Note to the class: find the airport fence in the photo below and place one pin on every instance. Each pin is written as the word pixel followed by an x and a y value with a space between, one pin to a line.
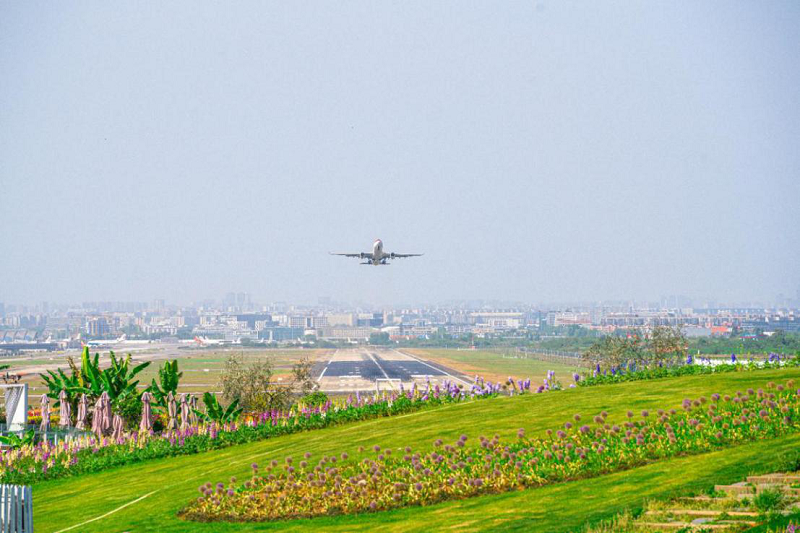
pixel 550 356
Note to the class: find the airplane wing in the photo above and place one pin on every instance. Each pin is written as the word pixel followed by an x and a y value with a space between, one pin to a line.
pixel 400 256
pixel 361 255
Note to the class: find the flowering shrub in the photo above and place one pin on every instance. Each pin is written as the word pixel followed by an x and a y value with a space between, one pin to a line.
pixel 304 488
pixel 31 463
pixel 599 376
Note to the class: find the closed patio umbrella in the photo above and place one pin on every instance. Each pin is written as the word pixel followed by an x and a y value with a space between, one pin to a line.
pixel 80 421
pixel 45 426
pixel 105 420
pixel 117 425
pixel 172 412
pixel 184 412
pixel 147 413
pixel 64 410
pixel 192 413
pixel 97 417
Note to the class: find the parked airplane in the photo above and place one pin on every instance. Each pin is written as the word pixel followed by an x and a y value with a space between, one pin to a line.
pixel 122 339
pixel 377 256
pixel 103 342
pixel 203 341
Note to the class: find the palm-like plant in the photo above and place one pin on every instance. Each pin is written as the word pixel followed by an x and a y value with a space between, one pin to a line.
pixel 17 441
pixel 216 413
pixel 168 377
pixel 57 380
pixel 117 380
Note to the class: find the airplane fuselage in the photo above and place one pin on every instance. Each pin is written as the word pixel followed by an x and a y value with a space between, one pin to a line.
pixel 377 252
pixel 377 256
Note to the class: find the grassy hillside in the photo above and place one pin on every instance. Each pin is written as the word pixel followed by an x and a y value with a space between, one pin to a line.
pixel 146 497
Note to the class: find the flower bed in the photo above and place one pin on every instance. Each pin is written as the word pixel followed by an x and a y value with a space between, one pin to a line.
pixel 690 368
pixel 582 448
pixel 30 464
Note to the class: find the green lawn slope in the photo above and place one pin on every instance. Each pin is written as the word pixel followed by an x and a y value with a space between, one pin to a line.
pixel 146 497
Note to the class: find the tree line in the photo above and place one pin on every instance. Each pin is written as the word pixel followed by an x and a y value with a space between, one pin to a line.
pixel 660 346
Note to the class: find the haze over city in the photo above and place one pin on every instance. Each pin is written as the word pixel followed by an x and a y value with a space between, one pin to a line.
pixel 532 151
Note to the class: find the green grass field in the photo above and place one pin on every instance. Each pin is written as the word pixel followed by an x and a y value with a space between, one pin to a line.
pixel 146 497
pixel 496 366
pixel 201 367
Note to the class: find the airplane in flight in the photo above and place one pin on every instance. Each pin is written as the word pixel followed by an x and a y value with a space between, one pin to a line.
pixel 377 256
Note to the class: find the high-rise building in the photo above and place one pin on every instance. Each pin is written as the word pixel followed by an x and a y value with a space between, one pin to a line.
pixel 97 327
pixel 242 300
pixel 229 300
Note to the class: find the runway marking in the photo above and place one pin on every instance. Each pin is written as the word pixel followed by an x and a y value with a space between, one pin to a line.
pixel 327 365
pixel 433 367
pixel 385 375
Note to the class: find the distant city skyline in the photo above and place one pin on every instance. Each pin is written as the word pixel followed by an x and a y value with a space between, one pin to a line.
pixel 534 152
pixel 237 320
pixel 246 300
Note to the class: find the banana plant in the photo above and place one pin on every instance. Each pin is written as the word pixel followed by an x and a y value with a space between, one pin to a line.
pixel 15 441
pixel 117 380
pixel 216 413
pixel 56 381
pixel 168 378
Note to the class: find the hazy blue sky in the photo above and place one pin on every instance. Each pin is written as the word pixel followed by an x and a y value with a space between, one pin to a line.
pixel 534 151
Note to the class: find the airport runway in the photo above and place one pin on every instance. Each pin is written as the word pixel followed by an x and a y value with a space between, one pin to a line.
pixel 368 369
